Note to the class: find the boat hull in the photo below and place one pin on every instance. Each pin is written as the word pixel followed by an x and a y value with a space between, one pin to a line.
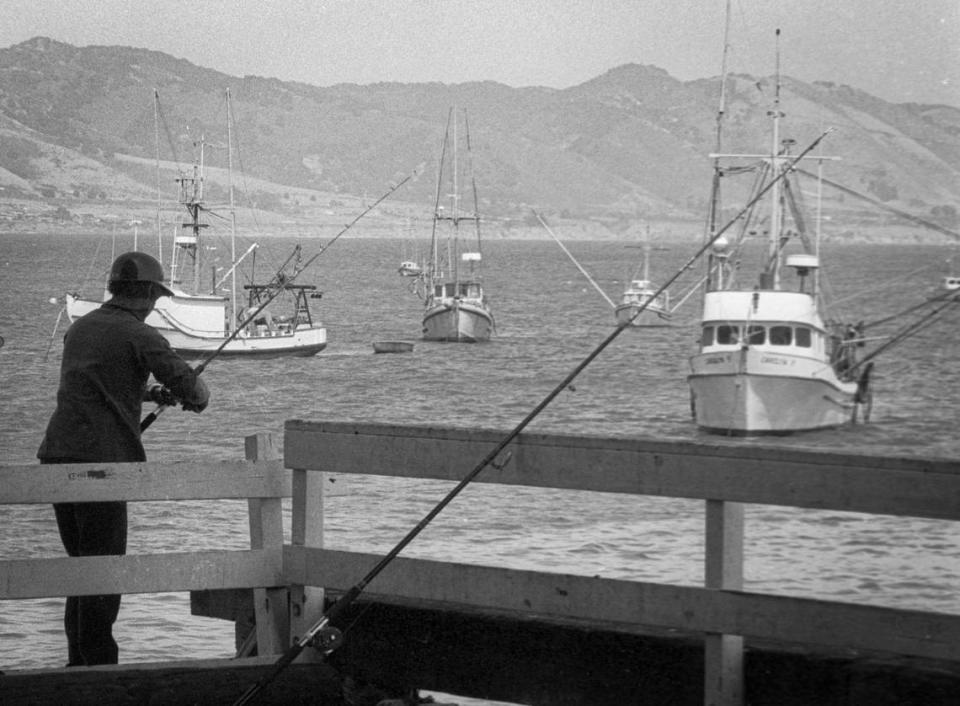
pixel 626 314
pixel 259 342
pixel 746 392
pixel 457 322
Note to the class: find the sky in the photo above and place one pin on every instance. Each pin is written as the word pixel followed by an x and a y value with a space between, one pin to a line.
pixel 897 50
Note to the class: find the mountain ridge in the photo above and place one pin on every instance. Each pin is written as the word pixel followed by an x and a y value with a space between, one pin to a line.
pixel 77 126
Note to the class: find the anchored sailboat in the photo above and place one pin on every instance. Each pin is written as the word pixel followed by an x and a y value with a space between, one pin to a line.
pixel 456 308
pixel 200 321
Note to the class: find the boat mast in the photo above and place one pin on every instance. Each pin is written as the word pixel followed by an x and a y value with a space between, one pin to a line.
pixel 770 279
pixel 454 257
pixel 435 270
pixel 233 216
pixel 156 141
pixel 712 261
pixel 473 185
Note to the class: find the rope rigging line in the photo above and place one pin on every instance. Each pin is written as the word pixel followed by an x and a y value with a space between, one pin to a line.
pixel 911 328
pixel 885 207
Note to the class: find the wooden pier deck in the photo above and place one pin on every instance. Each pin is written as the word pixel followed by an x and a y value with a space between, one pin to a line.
pixel 526 637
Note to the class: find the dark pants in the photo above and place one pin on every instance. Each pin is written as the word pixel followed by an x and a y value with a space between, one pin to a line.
pixel 92 529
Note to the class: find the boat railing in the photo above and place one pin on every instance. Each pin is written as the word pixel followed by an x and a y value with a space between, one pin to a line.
pixel 290 575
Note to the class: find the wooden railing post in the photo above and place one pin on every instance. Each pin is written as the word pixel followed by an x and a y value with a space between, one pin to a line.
pixel 271 605
pixel 723 654
pixel 306 602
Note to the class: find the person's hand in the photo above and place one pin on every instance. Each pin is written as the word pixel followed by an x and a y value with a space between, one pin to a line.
pixel 161 395
pixel 198 400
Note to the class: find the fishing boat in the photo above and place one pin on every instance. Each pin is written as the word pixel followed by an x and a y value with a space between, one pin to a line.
pixel 767 363
pixel 201 318
pixel 642 303
pixel 409 268
pixel 455 305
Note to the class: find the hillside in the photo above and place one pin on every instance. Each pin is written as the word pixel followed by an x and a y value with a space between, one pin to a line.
pixel 78 135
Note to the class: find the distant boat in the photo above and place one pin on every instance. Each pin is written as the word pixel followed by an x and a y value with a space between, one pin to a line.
pixel 392 347
pixel 640 304
pixel 410 255
pixel 637 293
pixel 199 322
pixel 455 307
pixel 409 268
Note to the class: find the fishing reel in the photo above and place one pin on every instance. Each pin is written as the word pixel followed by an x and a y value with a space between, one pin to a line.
pixel 327 640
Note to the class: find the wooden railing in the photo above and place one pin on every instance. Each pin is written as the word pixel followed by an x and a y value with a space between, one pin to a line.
pixel 289 578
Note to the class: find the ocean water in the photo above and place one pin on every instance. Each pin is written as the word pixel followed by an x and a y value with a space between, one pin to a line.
pixel 549 318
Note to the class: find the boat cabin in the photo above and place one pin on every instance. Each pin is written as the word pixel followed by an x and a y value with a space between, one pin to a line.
pixel 459 290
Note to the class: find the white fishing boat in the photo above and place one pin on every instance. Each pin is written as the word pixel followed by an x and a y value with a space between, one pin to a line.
pixel 641 304
pixel 767 363
pixel 455 305
pixel 201 320
pixel 409 268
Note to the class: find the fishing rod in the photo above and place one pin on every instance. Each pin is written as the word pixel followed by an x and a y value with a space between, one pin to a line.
pixel 909 329
pixel 323 632
pixel 281 286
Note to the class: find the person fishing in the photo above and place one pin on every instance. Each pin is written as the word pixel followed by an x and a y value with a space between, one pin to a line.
pixel 108 358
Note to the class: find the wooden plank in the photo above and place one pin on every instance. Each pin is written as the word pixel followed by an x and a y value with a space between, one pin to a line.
pixel 152 480
pixel 723 682
pixel 271 606
pixel 774 476
pixel 779 618
pixel 306 530
pixel 154 573
pixel 172 683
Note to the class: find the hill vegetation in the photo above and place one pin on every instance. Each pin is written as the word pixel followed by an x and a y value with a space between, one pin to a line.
pixel 80 137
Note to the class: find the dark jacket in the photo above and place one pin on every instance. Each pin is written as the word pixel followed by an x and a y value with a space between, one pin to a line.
pixel 108 356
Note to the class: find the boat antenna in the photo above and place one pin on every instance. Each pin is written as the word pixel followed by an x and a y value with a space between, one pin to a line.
pixel 327 635
pixel 152 417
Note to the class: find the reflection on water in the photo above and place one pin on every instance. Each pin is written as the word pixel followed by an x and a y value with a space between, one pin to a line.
pixel 548 320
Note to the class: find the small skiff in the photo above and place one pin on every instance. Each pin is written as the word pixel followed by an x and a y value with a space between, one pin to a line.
pixel 392 347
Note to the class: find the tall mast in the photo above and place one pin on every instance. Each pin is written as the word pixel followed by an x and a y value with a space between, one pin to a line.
pixel 435 271
pixel 776 193
pixel 233 216
pixel 715 188
pixel 156 141
pixel 455 198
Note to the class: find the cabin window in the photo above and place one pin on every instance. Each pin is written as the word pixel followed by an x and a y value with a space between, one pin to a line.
pixel 728 335
pixel 706 338
pixel 781 335
pixel 756 335
pixel 802 337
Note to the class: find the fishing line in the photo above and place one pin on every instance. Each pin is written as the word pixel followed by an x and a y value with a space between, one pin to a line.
pixel 329 636
pixel 281 282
